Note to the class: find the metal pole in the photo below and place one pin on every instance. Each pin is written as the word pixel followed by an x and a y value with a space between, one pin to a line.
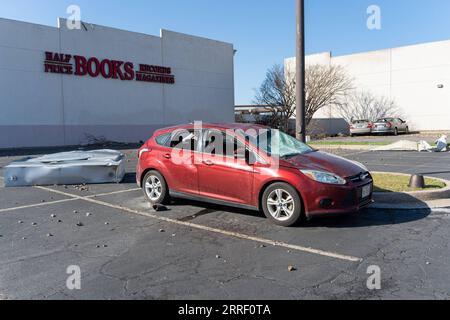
pixel 300 73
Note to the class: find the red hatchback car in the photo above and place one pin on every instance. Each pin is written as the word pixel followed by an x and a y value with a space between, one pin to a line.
pixel 250 167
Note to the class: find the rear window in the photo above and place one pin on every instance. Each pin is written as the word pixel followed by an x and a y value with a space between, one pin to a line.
pixel 163 140
pixel 386 120
pixel 360 121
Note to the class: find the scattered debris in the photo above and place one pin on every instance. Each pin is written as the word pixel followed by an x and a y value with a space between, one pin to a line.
pixel 88 214
pixel 218 257
pixel 49 235
pixel 428 263
pixel 53 215
pixel 80 224
pixel 106 223
pixel 75 211
pixel 34 224
pixel 162 230
pixel 81 187
pixel 20 222
pixel 159 207
pixel 291 269
pixel 59 221
pixel 24 238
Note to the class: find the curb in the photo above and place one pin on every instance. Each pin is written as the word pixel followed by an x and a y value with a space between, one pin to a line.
pixel 416 200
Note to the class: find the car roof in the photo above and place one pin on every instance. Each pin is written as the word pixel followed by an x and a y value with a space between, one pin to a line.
pixel 220 126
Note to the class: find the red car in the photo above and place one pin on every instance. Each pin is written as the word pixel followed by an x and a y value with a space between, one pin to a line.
pixel 250 167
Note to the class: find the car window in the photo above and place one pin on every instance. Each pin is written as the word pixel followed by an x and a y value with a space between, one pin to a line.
pixel 163 140
pixel 218 143
pixel 184 139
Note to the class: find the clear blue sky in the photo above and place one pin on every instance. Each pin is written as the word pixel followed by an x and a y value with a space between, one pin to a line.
pixel 263 31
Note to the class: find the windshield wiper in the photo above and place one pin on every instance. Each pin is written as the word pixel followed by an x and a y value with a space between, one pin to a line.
pixel 291 155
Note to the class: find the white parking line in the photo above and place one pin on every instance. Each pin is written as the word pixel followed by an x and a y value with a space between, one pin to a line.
pixel 36 205
pixel 213 230
pixel 42 204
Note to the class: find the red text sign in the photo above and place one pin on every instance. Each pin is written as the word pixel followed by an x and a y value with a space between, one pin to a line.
pixel 109 69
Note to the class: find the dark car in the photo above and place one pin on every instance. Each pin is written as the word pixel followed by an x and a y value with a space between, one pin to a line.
pixel 390 126
pixel 250 167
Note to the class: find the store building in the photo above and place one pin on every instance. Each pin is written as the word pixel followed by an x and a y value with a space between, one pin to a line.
pixel 60 86
pixel 416 77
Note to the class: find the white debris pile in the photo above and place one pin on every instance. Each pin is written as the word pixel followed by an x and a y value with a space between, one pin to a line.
pixel 67 168
pixel 406 145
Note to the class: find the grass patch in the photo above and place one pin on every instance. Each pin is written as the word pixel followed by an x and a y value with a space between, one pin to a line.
pixel 399 183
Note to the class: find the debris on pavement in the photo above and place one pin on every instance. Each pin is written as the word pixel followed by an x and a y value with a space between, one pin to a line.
pixel 80 224
pixel 291 269
pixel 441 144
pixel 67 168
pixel 406 145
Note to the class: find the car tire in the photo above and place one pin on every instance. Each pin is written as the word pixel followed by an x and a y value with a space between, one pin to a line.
pixel 407 130
pixel 155 188
pixel 288 208
pixel 395 132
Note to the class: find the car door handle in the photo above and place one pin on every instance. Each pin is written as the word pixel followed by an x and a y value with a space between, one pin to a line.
pixel 208 162
pixel 167 156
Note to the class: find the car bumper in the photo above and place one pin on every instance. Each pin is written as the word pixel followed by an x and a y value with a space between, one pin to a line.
pixel 383 130
pixel 336 200
pixel 360 131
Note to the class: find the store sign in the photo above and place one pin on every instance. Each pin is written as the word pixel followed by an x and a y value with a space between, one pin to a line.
pixel 109 69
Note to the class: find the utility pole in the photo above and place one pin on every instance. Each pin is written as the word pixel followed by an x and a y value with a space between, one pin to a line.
pixel 300 121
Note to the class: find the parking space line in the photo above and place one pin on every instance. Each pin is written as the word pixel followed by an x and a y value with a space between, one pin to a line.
pixel 42 204
pixel 113 193
pixel 213 230
pixel 36 205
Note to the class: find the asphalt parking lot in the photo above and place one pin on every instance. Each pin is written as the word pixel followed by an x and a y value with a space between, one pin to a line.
pixel 198 251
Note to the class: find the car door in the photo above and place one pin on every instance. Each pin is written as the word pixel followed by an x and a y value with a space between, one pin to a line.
pixel 177 159
pixel 223 172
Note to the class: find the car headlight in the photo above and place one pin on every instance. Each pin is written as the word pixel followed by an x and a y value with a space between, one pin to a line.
pixel 324 177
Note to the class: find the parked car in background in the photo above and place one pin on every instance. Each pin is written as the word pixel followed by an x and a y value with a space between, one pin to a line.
pixel 262 169
pixel 361 127
pixel 390 126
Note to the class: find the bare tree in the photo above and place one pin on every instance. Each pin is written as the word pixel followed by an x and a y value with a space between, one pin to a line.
pixel 277 95
pixel 364 105
pixel 325 86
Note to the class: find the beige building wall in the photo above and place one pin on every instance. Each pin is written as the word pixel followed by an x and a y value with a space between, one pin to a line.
pixel 411 76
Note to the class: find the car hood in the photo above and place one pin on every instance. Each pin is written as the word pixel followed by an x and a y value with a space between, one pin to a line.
pixel 322 161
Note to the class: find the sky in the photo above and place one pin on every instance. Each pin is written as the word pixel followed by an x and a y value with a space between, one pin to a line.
pixel 262 31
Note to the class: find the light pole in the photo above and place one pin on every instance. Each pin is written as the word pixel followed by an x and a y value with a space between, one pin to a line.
pixel 300 121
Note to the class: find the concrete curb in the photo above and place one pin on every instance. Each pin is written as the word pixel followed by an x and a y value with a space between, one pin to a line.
pixel 344 147
pixel 413 200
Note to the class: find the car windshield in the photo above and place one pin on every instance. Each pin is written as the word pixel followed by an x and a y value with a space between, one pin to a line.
pixel 279 144
pixel 385 120
pixel 360 121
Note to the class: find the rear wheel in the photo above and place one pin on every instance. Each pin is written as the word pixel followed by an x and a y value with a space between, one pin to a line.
pixel 395 132
pixel 282 204
pixel 155 188
pixel 407 130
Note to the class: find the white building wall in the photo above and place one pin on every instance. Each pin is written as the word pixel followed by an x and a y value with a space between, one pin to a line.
pixel 408 75
pixel 45 109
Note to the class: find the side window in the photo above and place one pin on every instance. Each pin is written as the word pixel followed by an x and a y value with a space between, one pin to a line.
pixel 184 139
pixel 163 140
pixel 221 144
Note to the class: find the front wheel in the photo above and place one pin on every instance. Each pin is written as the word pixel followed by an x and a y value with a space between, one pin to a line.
pixel 155 188
pixel 282 204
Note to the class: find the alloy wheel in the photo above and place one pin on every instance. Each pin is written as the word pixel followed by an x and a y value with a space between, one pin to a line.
pixel 281 205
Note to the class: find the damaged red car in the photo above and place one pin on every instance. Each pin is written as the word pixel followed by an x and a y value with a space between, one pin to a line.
pixel 251 167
